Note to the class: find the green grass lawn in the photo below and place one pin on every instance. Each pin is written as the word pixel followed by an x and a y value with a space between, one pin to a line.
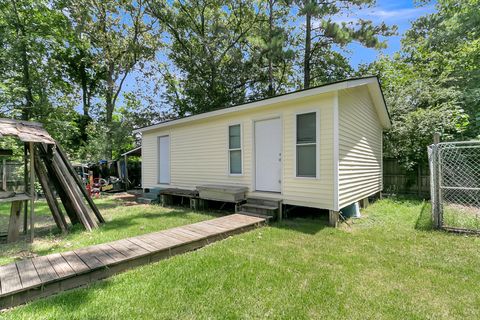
pixel 458 216
pixel 122 220
pixel 387 265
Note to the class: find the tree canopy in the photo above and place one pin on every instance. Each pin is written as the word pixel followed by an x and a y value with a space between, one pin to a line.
pixel 92 70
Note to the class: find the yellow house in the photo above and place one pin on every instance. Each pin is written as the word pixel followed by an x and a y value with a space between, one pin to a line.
pixel 320 147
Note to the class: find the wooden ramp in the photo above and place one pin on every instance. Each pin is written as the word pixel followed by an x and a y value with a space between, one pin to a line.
pixel 42 276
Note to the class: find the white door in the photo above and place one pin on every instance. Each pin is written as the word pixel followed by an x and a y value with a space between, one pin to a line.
pixel 164 159
pixel 268 155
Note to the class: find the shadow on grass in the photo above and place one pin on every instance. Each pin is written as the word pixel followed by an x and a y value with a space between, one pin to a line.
pixel 127 221
pixel 303 225
pixel 424 219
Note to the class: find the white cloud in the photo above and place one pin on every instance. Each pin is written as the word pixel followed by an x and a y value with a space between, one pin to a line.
pixel 384 14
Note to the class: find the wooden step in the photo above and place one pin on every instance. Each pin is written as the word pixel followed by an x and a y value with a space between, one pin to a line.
pixel 266 210
pixel 272 202
pixel 257 215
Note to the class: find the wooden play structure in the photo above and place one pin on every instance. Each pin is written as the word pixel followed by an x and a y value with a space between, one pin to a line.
pixel 45 159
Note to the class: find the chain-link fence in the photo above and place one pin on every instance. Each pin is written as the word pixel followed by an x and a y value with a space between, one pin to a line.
pixel 455 185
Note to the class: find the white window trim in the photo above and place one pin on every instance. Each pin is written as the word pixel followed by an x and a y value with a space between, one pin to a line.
pixel 317 144
pixel 169 160
pixel 235 149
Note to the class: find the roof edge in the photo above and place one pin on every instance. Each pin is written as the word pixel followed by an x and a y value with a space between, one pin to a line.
pixel 303 93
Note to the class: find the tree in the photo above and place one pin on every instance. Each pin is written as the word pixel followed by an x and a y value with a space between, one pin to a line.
pixel 419 106
pixel 32 85
pixel 322 33
pixel 445 47
pixel 29 32
pixel 118 34
pixel 432 84
pixel 272 46
pixel 208 66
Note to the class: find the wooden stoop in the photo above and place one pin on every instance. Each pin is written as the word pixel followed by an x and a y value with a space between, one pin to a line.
pixel 262 207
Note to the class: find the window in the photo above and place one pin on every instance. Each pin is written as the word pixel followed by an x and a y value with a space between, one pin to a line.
pixel 306 144
pixel 235 149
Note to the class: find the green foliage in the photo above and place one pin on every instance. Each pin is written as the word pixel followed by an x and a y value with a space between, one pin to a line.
pixel 208 52
pixel 322 61
pixel 432 84
pixel 445 46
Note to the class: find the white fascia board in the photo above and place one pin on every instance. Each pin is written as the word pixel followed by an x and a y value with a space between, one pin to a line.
pixel 264 103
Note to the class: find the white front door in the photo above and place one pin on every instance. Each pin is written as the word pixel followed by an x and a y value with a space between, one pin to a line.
pixel 164 159
pixel 268 155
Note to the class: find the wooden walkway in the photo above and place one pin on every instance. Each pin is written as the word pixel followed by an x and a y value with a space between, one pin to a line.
pixel 42 276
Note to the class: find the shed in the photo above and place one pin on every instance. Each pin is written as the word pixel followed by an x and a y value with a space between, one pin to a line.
pixel 320 147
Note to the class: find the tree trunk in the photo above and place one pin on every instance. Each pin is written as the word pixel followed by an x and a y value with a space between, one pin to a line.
pixel 271 90
pixel 85 95
pixel 110 106
pixel 308 45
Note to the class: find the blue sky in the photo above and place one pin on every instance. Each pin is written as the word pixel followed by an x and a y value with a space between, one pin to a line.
pixel 399 12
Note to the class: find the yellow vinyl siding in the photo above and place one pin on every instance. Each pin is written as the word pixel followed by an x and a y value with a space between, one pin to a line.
pixel 360 147
pixel 199 151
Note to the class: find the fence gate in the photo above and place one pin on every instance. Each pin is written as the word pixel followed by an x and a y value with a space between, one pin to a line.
pixel 455 185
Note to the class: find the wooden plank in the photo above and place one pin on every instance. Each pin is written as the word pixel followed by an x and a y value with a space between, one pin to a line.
pixel 72 171
pixel 61 267
pixel 52 202
pixel 120 247
pixel 44 269
pixel 156 243
pixel 144 244
pixel 138 251
pixel 32 191
pixel 14 223
pixel 204 229
pixel 163 240
pixel 193 234
pixel 222 227
pixel 52 174
pixel 246 219
pixel 209 227
pixel 179 236
pixel 9 278
pixel 110 251
pixel 75 262
pixel 101 256
pixel 84 213
pixel 228 225
pixel 28 273
pixel 89 258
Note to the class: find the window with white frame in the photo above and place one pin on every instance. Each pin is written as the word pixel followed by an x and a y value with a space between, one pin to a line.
pixel 306 145
pixel 235 149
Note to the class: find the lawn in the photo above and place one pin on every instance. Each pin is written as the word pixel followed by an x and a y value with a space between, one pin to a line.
pixel 387 265
pixel 123 220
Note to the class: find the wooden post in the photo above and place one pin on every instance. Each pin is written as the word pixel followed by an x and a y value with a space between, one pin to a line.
pixel 52 202
pixel 437 220
pixel 25 181
pixel 365 203
pixel 127 185
pixel 333 218
pixel 280 210
pixel 63 161
pixel 32 191
pixel 14 223
pixel 4 174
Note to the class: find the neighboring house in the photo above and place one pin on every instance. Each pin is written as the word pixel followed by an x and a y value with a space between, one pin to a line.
pixel 320 147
